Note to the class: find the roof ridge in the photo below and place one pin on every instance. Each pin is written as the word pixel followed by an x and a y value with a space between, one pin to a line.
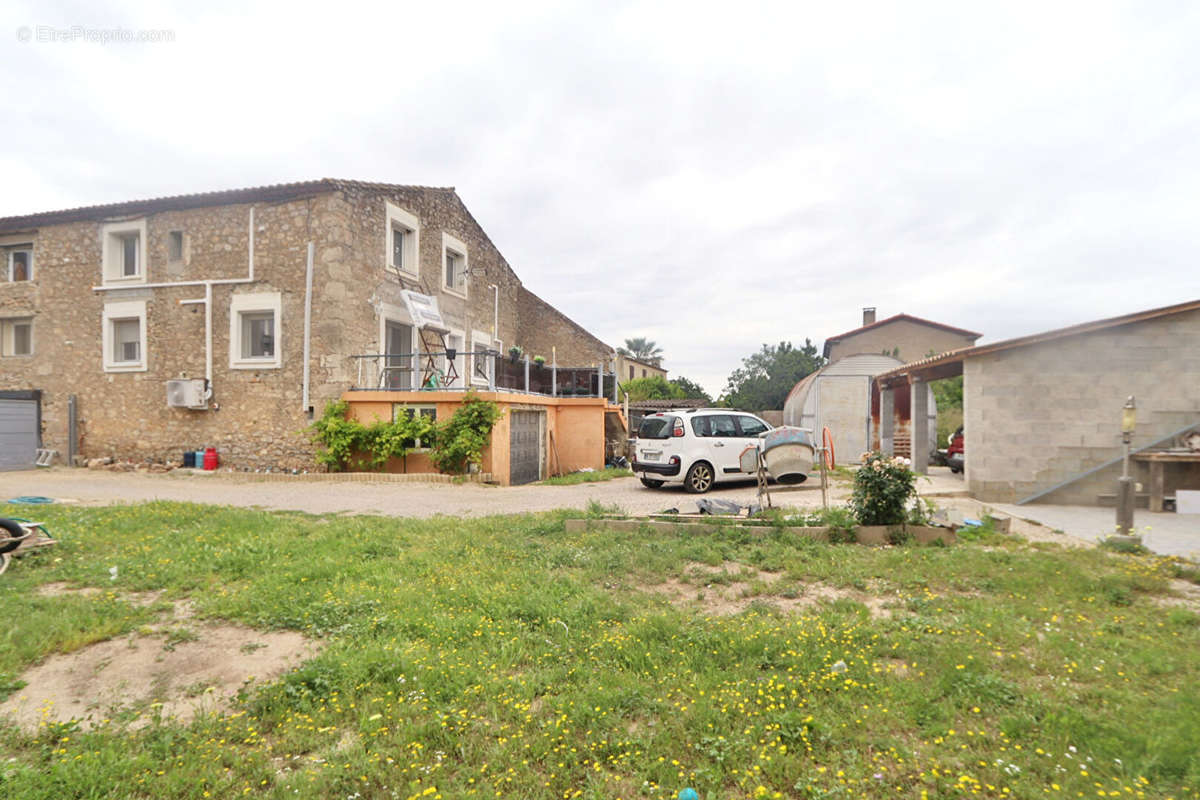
pixel 265 192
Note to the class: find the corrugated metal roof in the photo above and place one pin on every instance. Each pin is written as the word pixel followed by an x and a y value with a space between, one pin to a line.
pixel 254 194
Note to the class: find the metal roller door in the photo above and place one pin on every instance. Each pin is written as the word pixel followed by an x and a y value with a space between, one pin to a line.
pixel 525 447
pixel 18 434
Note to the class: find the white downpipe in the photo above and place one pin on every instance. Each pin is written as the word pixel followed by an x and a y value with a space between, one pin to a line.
pixel 207 300
pixel 495 311
pixel 308 280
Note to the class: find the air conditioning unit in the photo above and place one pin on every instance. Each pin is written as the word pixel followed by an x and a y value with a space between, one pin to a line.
pixel 186 394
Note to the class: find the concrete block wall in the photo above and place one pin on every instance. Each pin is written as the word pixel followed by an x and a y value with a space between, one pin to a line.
pixel 1041 414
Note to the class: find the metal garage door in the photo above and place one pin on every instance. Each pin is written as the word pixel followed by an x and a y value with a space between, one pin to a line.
pixel 524 446
pixel 18 433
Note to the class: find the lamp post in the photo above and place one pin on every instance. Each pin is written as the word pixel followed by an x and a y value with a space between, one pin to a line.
pixel 1125 482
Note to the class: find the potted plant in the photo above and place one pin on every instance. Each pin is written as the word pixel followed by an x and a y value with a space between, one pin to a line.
pixel 514 353
pixel 539 360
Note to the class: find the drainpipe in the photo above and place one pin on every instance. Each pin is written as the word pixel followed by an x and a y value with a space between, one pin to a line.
pixel 308 280
pixel 207 300
pixel 495 310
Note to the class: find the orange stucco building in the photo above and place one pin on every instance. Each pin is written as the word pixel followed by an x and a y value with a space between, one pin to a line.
pixel 535 437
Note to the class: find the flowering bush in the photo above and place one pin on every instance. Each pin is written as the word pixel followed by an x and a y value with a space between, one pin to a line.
pixel 882 488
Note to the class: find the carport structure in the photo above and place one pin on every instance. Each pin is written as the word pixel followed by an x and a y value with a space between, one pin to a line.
pixel 1042 412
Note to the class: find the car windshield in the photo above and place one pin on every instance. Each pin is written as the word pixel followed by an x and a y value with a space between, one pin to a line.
pixel 655 428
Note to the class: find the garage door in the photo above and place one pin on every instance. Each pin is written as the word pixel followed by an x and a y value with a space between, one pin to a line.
pixel 18 433
pixel 525 447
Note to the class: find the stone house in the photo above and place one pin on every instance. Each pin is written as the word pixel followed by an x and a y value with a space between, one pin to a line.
pixel 258 302
pixel 629 368
pixel 1042 412
pixel 902 336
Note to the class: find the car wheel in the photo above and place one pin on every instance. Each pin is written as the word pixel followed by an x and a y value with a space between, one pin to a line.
pixel 651 483
pixel 699 478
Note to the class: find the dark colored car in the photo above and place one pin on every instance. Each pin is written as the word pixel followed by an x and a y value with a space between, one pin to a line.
pixel 953 456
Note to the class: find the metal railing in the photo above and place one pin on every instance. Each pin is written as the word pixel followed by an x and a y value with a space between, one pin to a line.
pixel 479 369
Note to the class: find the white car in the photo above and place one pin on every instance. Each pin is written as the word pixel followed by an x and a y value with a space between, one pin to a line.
pixel 696 447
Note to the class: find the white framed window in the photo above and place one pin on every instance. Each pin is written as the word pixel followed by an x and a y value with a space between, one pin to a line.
pixel 16 336
pixel 124 336
pixel 403 241
pixel 123 251
pixel 405 410
pixel 255 338
pixel 454 265
pixel 20 264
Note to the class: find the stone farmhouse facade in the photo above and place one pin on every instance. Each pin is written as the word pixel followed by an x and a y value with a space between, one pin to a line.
pixel 108 303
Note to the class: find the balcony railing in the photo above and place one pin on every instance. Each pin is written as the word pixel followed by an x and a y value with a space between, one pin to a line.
pixel 485 370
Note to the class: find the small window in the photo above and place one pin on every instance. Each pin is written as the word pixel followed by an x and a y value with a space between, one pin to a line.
pixel 255 329
pixel 399 247
pixel 454 265
pixel 130 245
pixel 631 372
pixel 20 265
pixel 16 337
pixel 455 279
pixel 127 341
pixel 401 240
pixel 752 426
pixel 258 334
pixel 643 373
pixel 175 246
pixel 429 412
pixel 124 251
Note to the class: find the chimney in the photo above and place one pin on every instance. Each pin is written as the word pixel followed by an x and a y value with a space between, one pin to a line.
pixel 868 316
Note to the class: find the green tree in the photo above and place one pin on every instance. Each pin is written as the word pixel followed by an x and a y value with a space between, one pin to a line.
pixel 765 378
pixel 642 349
pixel 654 387
pixel 691 389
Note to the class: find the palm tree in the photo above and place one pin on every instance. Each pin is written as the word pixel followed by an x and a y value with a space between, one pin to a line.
pixel 642 349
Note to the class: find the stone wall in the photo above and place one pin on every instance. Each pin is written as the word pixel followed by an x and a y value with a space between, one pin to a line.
pixel 256 418
pixel 1038 415
pixel 914 340
pixel 542 327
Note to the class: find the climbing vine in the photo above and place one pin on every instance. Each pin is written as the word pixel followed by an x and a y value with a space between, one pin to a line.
pixel 461 439
pixel 346 444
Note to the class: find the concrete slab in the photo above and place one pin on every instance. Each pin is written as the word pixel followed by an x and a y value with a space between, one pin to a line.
pixel 1165 533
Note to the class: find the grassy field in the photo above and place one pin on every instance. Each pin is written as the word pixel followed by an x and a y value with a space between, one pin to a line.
pixel 504 658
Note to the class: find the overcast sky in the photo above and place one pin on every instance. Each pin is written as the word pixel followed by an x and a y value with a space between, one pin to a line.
pixel 710 176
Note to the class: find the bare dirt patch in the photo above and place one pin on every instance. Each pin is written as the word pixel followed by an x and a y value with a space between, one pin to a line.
pixel 731 588
pixel 1187 595
pixel 172 671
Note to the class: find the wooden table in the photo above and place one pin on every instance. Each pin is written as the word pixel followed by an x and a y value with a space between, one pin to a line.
pixel 1156 460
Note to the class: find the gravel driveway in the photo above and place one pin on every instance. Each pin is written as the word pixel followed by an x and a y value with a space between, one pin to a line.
pixel 91 487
